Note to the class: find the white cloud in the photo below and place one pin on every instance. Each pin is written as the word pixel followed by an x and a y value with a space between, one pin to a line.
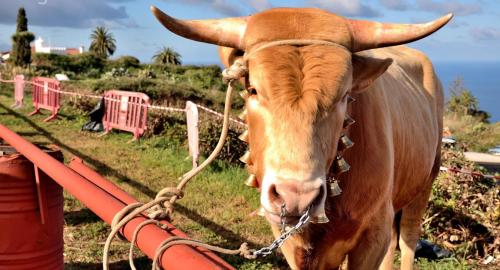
pixel 223 7
pixel 71 14
pixel 457 7
pixel 485 33
pixel 395 4
pixel 346 7
pixel 260 5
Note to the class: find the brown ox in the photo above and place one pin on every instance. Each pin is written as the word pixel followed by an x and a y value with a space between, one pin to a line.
pixel 297 104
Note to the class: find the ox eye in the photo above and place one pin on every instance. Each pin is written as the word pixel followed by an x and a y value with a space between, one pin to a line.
pixel 252 91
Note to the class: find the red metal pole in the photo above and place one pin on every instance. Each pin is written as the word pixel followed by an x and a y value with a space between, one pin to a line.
pixel 78 166
pixel 106 207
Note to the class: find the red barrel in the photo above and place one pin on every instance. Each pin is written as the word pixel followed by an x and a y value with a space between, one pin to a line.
pixel 31 215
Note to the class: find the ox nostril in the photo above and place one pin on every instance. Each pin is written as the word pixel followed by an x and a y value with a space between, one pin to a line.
pixel 274 196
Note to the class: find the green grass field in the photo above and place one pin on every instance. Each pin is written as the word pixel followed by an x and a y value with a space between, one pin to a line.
pixel 217 207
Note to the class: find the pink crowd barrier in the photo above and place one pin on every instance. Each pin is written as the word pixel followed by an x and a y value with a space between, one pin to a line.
pixel 46 96
pixel 18 91
pixel 126 111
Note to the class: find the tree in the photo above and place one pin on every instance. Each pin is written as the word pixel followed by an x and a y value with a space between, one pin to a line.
pixel 461 99
pixel 463 102
pixel 103 44
pixel 167 56
pixel 21 48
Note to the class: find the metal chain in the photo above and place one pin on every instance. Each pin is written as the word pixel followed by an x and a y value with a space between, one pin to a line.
pixel 283 218
pixel 263 252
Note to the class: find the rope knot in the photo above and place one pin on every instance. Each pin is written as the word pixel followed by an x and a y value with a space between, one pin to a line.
pixel 170 192
pixel 237 70
pixel 246 252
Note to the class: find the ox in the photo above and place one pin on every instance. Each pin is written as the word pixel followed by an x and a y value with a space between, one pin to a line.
pixel 299 109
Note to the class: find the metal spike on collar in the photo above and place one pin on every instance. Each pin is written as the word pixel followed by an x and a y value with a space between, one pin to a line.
pixel 246 157
pixel 244 136
pixel 321 218
pixel 243 115
pixel 345 143
pixel 244 94
pixel 251 181
pixel 335 188
pixel 341 165
pixel 348 121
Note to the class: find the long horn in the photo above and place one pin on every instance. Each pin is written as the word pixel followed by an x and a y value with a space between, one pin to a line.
pixel 369 35
pixel 224 32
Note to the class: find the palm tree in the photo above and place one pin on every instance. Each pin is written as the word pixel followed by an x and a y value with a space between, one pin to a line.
pixel 167 56
pixel 103 44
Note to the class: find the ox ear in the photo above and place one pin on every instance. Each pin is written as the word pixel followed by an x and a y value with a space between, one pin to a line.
pixel 228 55
pixel 366 70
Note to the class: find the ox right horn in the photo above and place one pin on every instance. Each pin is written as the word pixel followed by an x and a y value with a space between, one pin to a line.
pixel 223 32
pixel 370 35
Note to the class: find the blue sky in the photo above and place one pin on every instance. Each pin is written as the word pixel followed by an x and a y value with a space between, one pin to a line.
pixel 473 35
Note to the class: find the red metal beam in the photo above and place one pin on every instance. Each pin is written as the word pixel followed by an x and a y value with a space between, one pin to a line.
pixel 79 166
pixel 106 206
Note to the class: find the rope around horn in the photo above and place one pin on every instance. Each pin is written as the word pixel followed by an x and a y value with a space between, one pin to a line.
pixel 162 205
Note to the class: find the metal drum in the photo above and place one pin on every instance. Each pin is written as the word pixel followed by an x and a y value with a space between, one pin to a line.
pixel 31 215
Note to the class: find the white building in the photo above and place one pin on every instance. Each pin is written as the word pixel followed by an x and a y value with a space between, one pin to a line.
pixel 40 47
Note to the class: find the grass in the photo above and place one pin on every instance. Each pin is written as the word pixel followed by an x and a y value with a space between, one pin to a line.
pixel 217 207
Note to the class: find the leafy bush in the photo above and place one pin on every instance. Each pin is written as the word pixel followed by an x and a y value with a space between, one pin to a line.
pixel 85 62
pixel 471 133
pixel 464 211
pixel 173 127
pixel 462 102
pixel 124 62
pixel 210 130
pixel 169 125
pixel 48 64
pixel 159 90
pixel 116 72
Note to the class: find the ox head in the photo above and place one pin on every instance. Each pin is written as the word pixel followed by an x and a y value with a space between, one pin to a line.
pixel 297 96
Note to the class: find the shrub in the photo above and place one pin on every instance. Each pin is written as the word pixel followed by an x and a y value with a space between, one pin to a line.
pixel 48 64
pixel 169 125
pixel 53 61
pixel 84 62
pixel 124 62
pixel 464 213
pixel 210 129
pixel 462 102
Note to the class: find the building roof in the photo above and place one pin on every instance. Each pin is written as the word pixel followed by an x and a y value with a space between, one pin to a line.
pixel 72 51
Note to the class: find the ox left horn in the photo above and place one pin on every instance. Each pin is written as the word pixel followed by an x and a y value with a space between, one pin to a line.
pixel 223 32
pixel 369 35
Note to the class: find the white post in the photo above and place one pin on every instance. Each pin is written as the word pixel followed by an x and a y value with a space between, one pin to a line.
pixel 18 91
pixel 192 128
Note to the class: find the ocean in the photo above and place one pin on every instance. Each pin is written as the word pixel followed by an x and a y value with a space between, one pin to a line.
pixel 482 79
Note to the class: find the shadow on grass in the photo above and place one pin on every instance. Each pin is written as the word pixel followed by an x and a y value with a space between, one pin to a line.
pixel 82 216
pixel 86 216
pixel 96 163
pixel 140 262
pixel 459 221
